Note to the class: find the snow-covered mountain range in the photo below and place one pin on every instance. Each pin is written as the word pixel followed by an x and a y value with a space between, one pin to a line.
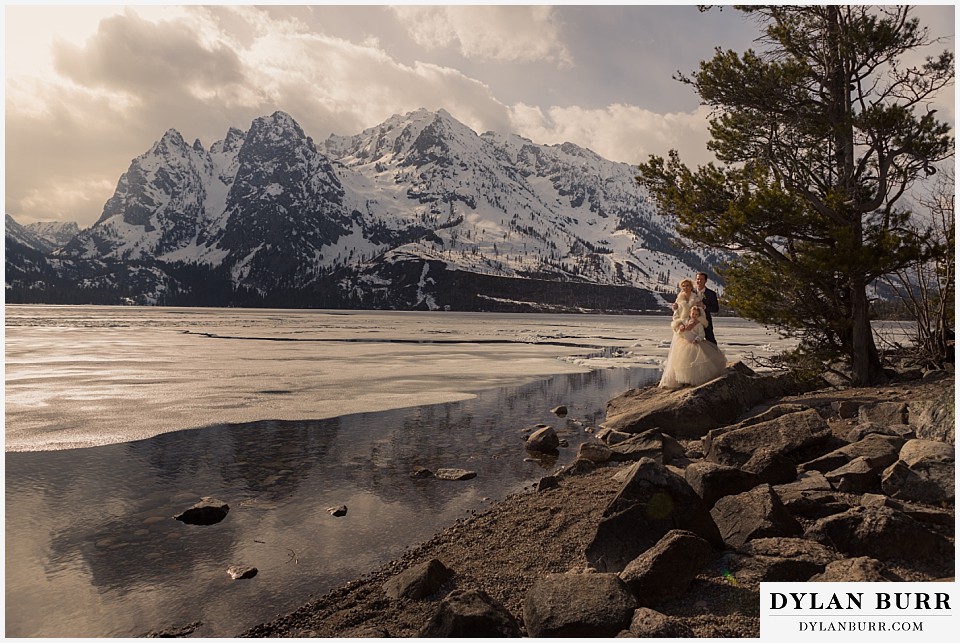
pixel 420 212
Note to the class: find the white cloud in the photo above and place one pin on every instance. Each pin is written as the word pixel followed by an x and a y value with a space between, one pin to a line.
pixel 489 33
pixel 624 133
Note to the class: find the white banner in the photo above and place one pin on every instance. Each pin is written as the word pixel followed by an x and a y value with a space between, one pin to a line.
pixel 791 611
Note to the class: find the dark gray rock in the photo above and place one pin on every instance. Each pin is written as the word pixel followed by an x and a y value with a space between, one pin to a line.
pixel 470 613
pixel 610 437
pixel 810 496
pixel 559 411
pixel 238 572
pixel 650 624
pixel 418 582
pixel 690 412
pixel 773 560
pixel 666 570
pixel 934 419
pixel 879 532
pixel 783 435
pixel 925 472
pixel 209 511
pixel 650 444
pixel 651 502
pixel 339 510
pixel 543 440
pixel 454 474
pixel 595 452
pixel 846 409
pixel 859 475
pixel 880 451
pixel 547 482
pixel 770 466
pixel 578 467
pixel 757 513
pixel 883 413
pixel 577 605
pixel 860 431
pixel 713 481
pixel 774 412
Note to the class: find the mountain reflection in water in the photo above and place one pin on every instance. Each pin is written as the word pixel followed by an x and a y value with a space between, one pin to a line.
pixel 115 563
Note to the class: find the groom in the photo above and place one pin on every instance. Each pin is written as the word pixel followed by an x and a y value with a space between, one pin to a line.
pixel 710 303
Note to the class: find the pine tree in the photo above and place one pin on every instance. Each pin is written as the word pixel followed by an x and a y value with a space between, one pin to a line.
pixel 819 140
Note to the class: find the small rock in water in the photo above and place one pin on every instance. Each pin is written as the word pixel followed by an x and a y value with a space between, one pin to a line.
pixel 208 511
pixel 421 472
pixel 240 571
pixel 340 510
pixel 559 411
pixel 455 474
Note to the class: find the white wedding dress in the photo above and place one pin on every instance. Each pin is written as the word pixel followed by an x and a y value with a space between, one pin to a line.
pixel 692 360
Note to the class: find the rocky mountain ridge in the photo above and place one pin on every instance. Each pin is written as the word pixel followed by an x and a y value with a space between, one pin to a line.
pixel 420 212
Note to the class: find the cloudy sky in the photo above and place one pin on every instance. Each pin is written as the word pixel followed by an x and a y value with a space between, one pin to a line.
pixel 89 88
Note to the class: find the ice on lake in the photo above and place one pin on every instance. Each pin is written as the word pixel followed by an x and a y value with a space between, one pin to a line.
pixel 80 376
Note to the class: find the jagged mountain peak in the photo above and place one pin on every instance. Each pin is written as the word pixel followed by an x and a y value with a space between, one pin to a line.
pixel 278 128
pixel 266 209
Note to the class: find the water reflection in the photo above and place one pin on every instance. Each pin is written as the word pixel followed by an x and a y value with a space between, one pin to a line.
pixel 93 528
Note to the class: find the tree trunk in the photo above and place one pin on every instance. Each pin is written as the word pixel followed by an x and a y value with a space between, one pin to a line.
pixel 866 365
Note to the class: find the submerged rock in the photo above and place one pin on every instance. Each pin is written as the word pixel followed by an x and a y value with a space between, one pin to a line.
pixel 238 572
pixel 209 511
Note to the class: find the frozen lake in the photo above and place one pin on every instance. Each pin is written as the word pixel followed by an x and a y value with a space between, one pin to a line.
pixel 80 376
pixel 119 418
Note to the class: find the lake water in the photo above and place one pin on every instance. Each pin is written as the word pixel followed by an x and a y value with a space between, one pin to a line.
pixel 118 418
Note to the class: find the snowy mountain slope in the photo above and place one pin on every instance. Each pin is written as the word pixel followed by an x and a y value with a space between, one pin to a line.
pixel 54 233
pixel 506 206
pixel 370 219
pixel 25 236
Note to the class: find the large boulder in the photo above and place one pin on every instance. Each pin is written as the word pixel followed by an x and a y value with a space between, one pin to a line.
pixel 879 532
pixel 713 481
pixel 543 440
pixel 784 435
pixel 666 570
pixel 934 419
pixel 777 560
pixel 651 444
pixel 419 581
pixel 880 451
pixel 883 413
pixel 925 472
pixel 810 496
pixel 770 466
pixel 857 476
pixel 689 413
pixel 578 605
pixel 652 501
pixel 757 513
pixel 470 613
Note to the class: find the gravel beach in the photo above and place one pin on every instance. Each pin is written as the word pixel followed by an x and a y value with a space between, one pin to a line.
pixel 504 549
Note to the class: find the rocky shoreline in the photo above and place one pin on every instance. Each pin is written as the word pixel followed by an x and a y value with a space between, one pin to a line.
pixel 667 522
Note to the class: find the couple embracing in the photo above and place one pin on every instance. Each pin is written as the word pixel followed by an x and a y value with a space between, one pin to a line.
pixel 694 357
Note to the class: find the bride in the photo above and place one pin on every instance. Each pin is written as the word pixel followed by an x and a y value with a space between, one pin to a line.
pixel 692 360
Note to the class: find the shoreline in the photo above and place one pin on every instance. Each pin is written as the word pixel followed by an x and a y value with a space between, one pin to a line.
pixel 277 479
pixel 502 549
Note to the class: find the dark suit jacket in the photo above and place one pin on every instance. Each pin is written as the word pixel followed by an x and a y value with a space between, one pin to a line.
pixel 712 305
